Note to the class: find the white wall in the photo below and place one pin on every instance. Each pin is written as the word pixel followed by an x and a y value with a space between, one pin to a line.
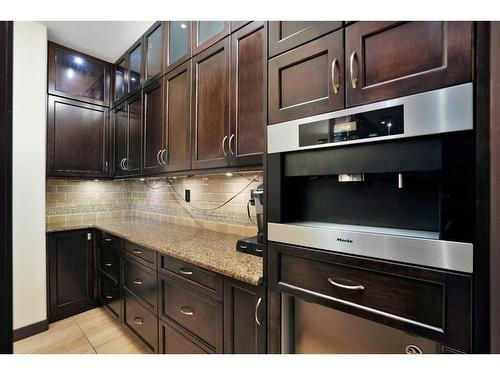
pixel 28 201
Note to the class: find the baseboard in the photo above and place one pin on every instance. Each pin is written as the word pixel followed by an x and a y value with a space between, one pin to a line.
pixel 32 329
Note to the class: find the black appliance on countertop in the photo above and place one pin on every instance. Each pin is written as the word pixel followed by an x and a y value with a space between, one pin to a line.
pixel 254 245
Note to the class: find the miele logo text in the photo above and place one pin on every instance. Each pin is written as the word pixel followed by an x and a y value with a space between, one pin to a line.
pixel 344 240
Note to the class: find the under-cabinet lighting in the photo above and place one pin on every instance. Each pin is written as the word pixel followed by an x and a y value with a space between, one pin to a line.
pixel 229 174
pixel 96 180
pixel 143 179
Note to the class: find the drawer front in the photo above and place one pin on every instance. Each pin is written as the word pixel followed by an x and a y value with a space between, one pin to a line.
pixel 172 341
pixel 109 261
pixel 141 321
pixel 108 239
pixel 109 294
pixel 431 303
pixel 188 271
pixel 196 314
pixel 145 256
pixel 141 281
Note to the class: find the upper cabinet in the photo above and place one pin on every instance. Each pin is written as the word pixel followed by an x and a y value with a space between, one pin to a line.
pixel 78 76
pixel 120 86
pixel 154 134
pixel 154 43
pixel 307 80
pixel 206 33
pixel 178 44
pixel 135 67
pixel 390 59
pixel 285 35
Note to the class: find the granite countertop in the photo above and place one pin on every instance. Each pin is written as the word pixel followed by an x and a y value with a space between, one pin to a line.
pixel 211 250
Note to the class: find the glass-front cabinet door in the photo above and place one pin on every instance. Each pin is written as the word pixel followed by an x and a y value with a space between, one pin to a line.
pixel 154 50
pixel 135 67
pixel 178 43
pixel 121 77
pixel 206 33
pixel 77 76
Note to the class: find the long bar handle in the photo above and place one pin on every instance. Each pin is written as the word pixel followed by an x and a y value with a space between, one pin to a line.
pixel 344 286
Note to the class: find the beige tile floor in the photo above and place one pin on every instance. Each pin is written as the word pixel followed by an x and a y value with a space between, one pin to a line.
pixel 92 332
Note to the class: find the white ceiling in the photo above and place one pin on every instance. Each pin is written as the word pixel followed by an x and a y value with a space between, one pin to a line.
pixel 106 40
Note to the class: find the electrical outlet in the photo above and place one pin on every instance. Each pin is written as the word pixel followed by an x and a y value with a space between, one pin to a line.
pixel 187 195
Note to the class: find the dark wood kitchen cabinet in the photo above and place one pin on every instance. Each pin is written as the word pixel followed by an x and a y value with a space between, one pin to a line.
pixel 286 35
pixel 174 341
pixel 390 59
pixel 154 134
pixel 70 273
pixel 244 318
pixel 178 40
pixel 210 112
pixel 78 76
pixel 177 120
pixel 154 45
pixel 307 80
pixel 248 95
pixel 77 139
pixel 135 66
pixel 207 33
pixel 127 137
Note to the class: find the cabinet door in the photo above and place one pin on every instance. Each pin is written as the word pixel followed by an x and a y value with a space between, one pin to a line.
pixel 135 67
pixel 172 341
pixel 120 135
pixel 177 86
pixel 308 80
pixel 120 80
pixel 178 44
pixel 391 59
pixel 154 46
pixel 76 139
pixel 286 35
pixel 206 33
pixel 134 139
pixel 244 323
pixel 153 128
pixel 248 86
pixel 211 107
pixel 75 75
pixel 70 273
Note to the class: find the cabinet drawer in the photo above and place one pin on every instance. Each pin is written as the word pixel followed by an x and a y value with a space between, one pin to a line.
pixel 141 321
pixel 308 80
pixel 200 315
pixel 141 281
pixel 171 341
pixel 431 303
pixel 188 271
pixel 109 294
pixel 144 256
pixel 108 239
pixel 109 261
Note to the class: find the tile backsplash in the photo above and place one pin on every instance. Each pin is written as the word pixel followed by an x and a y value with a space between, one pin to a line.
pixel 158 198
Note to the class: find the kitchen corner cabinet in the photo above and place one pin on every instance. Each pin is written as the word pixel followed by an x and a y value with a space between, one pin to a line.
pixel 244 322
pixel 390 59
pixel 207 33
pixel 153 135
pixel 77 141
pixel 210 112
pixel 70 273
pixel 74 75
pixel 127 137
pixel 248 95
pixel 307 80
pixel 286 35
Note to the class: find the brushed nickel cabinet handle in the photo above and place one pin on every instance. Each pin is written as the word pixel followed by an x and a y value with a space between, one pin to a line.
pixel 257 311
pixel 139 321
pixel 158 156
pixel 186 310
pixel 344 286
pixel 137 282
pixel 185 271
pixel 125 163
pixel 108 239
pixel 335 84
pixel 354 78
pixel 121 164
pixel 223 145
pixel 137 251
pixel 230 146
pixel 163 156
pixel 106 166
pixel 108 296
pixel 108 264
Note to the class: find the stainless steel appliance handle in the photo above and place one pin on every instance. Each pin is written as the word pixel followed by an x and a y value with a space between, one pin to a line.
pixel 354 78
pixel 231 147
pixel 257 311
pixel 344 286
pixel 186 310
pixel 158 156
pixel 223 145
pixel 335 84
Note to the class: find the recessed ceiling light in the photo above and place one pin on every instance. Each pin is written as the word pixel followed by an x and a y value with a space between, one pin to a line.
pixel 78 60
pixel 183 25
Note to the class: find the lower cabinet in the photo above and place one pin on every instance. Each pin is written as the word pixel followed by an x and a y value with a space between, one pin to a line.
pixel 109 294
pixel 141 321
pixel 172 341
pixel 70 273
